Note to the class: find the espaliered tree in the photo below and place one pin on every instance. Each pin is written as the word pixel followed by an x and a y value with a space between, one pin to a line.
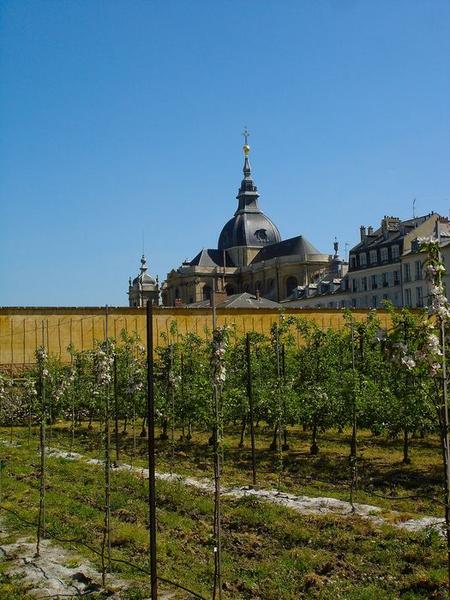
pixel 407 408
pixel 317 382
pixel 103 373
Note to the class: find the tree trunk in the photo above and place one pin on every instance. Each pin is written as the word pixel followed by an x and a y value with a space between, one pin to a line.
pixel 285 442
pixel 163 435
pixel 274 444
pixel 406 459
pixel 243 430
pixel 314 447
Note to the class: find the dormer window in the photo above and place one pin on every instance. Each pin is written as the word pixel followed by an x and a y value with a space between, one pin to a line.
pixel 384 255
pixel 363 259
pixel 373 257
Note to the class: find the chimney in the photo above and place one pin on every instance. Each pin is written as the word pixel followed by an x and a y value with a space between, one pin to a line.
pixel 362 231
pixel 218 298
pixel 370 230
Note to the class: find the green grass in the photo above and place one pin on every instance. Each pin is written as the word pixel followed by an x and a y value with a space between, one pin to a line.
pixel 269 552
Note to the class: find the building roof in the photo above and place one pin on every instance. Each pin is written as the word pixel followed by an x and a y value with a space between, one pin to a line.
pixel 246 300
pixel 296 246
pixel 249 225
pixel 392 229
pixel 243 300
pixel 209 257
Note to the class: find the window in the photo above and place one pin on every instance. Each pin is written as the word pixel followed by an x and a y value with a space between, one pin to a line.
pixel 396 277
pixel 353 302
pixel 395 252
pixel 364 284
pixel 354 285
pixel 384 255
pixel 352 261
pixel 373 282
pixel 374 301
pixel 373 257
pixel 407 272
pixel 408 298
pixel 419 297
pixel 418 270
pixel 363 259
pixel 384 280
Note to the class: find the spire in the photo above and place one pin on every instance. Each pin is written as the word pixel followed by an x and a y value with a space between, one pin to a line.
pixel 247 194
pixel 246 149
pixel 143 265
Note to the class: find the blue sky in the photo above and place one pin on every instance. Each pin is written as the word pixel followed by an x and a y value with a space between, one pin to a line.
pixel 124 117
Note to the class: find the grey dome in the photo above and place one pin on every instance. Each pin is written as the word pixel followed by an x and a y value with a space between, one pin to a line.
pixel 249 226
pixel 144 279
pixel 248 229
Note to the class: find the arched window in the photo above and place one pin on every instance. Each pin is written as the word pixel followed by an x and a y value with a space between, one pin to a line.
pixel 270 285
pixel 177 293
pixel 291 284
pixel 229 289
pixel 207 292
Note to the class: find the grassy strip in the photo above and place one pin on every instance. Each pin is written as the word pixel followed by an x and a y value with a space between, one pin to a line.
pixel 269 551
pixel 380 470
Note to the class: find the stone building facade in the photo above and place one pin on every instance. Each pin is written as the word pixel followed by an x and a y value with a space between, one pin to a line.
pixel 250 257
pixel 386 265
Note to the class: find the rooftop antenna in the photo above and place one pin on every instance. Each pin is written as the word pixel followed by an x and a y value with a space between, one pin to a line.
pixel 414 208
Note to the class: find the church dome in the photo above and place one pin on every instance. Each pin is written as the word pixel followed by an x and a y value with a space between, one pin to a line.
pixel 249 226
pixel 248 229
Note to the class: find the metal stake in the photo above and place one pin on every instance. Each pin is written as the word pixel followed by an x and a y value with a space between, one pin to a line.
pixel 250 401
pixel 151 453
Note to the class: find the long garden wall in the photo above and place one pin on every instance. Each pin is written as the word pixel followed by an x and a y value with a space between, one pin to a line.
pixel 22 330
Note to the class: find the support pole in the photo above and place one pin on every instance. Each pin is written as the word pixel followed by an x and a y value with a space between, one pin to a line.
pixel 250 402
pixel 116 413
pixel 151 453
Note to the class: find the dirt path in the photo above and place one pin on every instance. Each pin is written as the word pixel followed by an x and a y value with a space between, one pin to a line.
pixel 55 573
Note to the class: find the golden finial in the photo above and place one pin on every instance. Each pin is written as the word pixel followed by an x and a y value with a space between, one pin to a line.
pixel 246 147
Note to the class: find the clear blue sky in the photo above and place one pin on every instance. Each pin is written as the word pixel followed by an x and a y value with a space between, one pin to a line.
pixel 119 117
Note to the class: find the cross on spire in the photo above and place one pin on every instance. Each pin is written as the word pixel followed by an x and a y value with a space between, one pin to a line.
pixel 246 134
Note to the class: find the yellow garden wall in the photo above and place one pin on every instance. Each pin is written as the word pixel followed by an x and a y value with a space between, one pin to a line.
pixel 22 330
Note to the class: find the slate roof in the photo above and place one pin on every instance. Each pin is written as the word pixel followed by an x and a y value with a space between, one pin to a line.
pixel 395 233
pixel 243 300
pixel 296 246
pixel 209 257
